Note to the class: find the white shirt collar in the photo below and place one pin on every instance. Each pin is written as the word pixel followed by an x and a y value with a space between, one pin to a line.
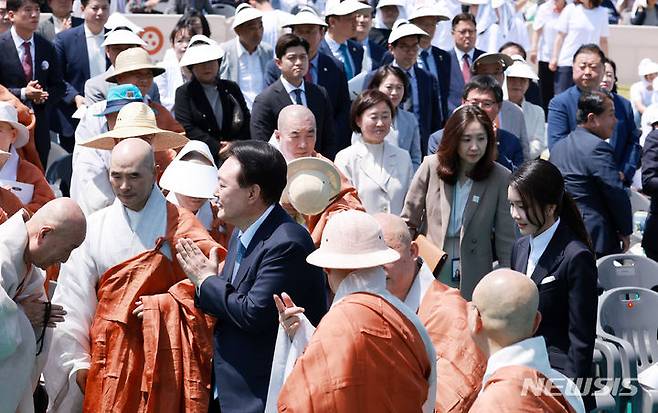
pixel 290 87
pixel 18 40
pixel 539 243
pixel 460 56
pixel 242 50
pixel 88 32
pixel 248 234
pixel 424 278
pixel 333 45
pixel 411 70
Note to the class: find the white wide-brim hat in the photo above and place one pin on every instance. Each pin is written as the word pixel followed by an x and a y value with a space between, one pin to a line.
pixel 201 49
pixel 122 36
pixel 647 67
pixel 384 3
pixel 402 28
pixel 474 2
pixel 190 179
pixel 306 15
pixel 117 19
pixel 134 120
pixel 501 58
pixel 313 184
pixel 245 13
pixel 131 60
pixel 345 8
pixel 521 69
pixel 9 114
pixel 351 240
pixel 435 10
pixel 196 146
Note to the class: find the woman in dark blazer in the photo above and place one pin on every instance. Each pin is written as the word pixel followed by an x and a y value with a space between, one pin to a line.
pixel 556 253
pixel 196 99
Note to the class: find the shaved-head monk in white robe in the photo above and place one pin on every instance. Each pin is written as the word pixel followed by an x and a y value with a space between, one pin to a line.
pixel 103 357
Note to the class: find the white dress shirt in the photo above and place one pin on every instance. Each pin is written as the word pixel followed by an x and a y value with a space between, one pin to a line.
pixel 18 42
pixel 538 245
pixel 250 74
pixel 95 52
pixel 290 88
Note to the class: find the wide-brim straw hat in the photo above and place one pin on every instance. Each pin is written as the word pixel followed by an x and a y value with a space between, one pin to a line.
pixel 403 28
pixel 245 13
pixel 437 11
pixel 131 60
pixel 306 15
pixel 196 146
pixel 313 184
pixel 135 120
pixel 9 114
pixel 501 58
pixel 122 35
pixel 352 240
pixel 201 49
pixel 521 69
pixel 345 8
pixel 190 179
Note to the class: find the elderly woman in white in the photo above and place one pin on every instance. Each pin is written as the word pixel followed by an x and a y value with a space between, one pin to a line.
pixel 380 171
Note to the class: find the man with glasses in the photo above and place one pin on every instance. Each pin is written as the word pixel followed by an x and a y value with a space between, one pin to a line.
pixel 462 57
pixel 485 92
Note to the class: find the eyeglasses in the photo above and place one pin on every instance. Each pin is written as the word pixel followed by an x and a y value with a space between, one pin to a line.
pixel 464 32
pixel 483 104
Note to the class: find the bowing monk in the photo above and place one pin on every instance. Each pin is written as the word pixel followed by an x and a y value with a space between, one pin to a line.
pixel 370 352
pixel 103 357
pixel 503 318
pixel 26 248
pixel 295 137
pixel 460 364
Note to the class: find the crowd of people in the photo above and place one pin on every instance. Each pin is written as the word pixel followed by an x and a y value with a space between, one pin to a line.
pixel 346 207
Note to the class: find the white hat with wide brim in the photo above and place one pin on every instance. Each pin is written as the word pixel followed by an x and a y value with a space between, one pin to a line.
pixel 117 19
pixel 313 184
pixel 345 8
pixel 352 240
pixel 9 114
pixel 190 179
pixel 245 13
pixel 134 120
pixel 306 16
pixel 402 28
pixel 384 3
pixel 485 58
pixel 122 36
pixel 521 69
pixel 196 146
pixel 647 67
pixel 430 11
pixel 131 60
pixel 201 49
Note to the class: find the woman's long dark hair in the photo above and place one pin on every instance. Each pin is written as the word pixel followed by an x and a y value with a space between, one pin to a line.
pixel 540 184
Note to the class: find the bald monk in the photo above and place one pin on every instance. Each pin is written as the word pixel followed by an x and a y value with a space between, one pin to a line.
pixel 502 319
pixel 295 137
pixel 26 248
pixel 460 364
pixel 103 356
pixel 370 352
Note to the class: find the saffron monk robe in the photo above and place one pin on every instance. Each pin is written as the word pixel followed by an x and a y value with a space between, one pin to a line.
pixel 133 341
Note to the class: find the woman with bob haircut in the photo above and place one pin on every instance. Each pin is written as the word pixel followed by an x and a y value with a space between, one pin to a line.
pixel 458 198
pixel 380 171
pixel 556 253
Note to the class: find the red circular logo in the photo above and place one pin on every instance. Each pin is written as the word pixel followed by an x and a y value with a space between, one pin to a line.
pixel 153 38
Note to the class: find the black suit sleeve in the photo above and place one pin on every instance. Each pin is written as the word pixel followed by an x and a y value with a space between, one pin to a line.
pixel 183 113
pixel 650 164
pixel 342 113
pixel 435 101
pixel 263 118
pixel 272 73
pixel 328 146
pixel 604 169
pixel 55 85
pixel 70 92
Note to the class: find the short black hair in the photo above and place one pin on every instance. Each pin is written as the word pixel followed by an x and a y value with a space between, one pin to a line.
pixel 367 99
pixel 260 164
pixel 85 2
pixel 193 13
pixel 589 48
pixel 591 102
pixel 288 40
pixel 463 17
pixel 182 23
pixel 486 83
pixel 614 70
pixel 513 44
pixel 386 70
pixel 14 5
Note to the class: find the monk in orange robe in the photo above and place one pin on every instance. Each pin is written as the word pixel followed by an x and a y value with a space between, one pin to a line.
pixel 26 117
pixel 132 341
pixel 370 352
pixel 502 319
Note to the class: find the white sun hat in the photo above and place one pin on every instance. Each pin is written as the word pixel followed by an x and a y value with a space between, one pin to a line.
pixel 384 3
pixel 122 35
pixel 245 13
pixel 190 179
pixel 306 15
pixel 521 69
pixel 9 114
pixel 402 28
pixel 201 49
pixel 345 8
pixel 313 184
pixel 117 19
pixel 196 146
pixel 426 10
pixel 647 67
pixel 351 240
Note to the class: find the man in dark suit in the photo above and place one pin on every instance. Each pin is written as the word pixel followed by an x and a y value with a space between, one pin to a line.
pixel 60 20
pixel 462 56
pixel 29 69
pixel 373 53
pixel 587 74
pixel 291 88
pixel 80 57
pixel 266 256
pixel 591 177
pixel 324 70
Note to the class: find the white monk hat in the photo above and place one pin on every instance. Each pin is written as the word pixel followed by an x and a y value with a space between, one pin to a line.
pixel 245 13
pixel 190 179
pixel 201 49
pixel 9 114
pixel 647 67
pixel 402 28
pixel 196 146
pixel 350 240
pixel 122 35
pixel 313 184
pixel 521 69
pixel 434 10
pixel 134 120
pixel 131 60
pixel 345 8
pixel 306 15
pixel 486 58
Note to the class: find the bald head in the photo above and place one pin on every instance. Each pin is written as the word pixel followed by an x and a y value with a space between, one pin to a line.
pixel 394 228
pixel 134 151
pixel 400 274
pixel 507 302
pixel 296 132
pixel 132 172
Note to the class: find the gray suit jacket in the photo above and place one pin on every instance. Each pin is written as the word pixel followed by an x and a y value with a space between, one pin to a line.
pixel 409 135
pixel 513 121
pixel 428 205
pixel 229 67
pixel 47 27
pixel 96 88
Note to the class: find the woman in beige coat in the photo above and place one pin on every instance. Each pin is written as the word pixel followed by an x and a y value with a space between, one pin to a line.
pixel 458 197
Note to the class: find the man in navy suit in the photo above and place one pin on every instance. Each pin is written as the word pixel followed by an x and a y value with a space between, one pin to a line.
pixel 60 20
pixel 462 57
pixel 372 51
pixel 323 70
pixel 80 56
pixel 266 256
pixel 29 69
pixel 590 174
pixel 587 74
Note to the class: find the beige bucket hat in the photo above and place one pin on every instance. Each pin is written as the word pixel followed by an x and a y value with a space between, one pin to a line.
pixel 133 59
pixel 245 13
pixel 134 120
pixel 9 114
pixel 351 240
pixel 313 184
pixel 402 28
pixel 201 49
